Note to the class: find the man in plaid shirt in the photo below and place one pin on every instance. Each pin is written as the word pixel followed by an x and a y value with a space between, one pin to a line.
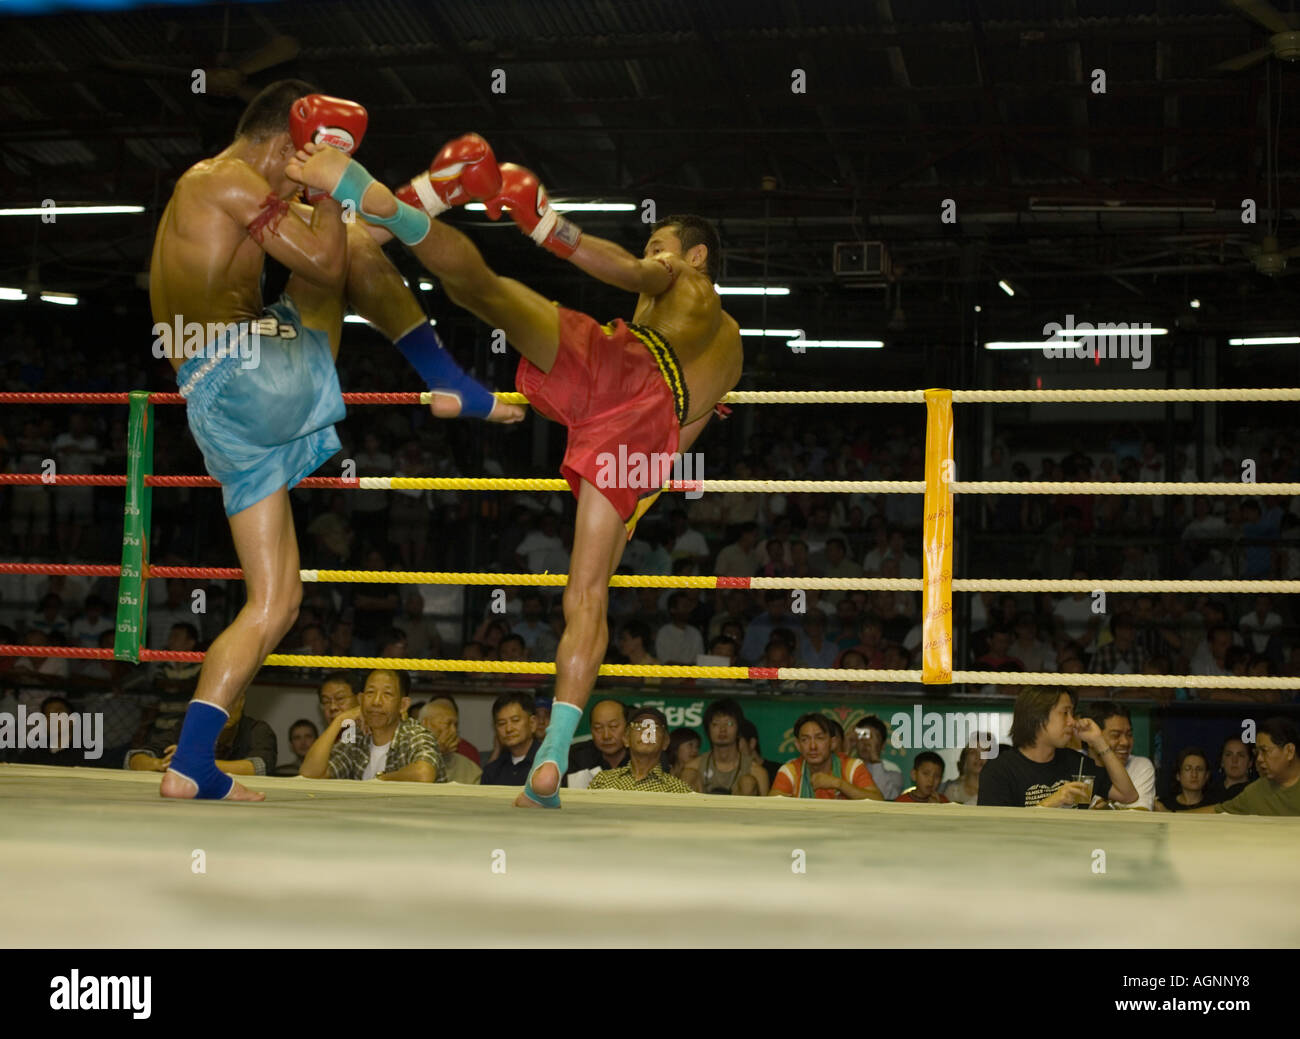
pixel 1122 655
pixel 646 737
pixel 389 747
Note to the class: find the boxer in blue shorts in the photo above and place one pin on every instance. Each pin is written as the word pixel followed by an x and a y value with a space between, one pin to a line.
pixel 263 395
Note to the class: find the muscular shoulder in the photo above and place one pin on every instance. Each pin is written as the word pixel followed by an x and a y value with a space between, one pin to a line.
pixel 220 182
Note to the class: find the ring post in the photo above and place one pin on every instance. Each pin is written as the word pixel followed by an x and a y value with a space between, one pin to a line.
pixel 936 603
pixel 132 586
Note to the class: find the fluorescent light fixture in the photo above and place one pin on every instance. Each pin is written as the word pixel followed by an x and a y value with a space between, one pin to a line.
pixel 1114 333
pixel 781 333
pixel 574 207
pixel 64 299
pixel 751 290
pixel 1006 288
pixel 71 210
pixel 14 294
pixel 426 285
pixel 1017 346
pixel 357 319
pixel 1119 205
pixel 1265 341
pixel 846 344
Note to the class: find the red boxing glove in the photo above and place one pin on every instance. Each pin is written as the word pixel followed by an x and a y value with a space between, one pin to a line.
pixel 331 121
pixel 525 198
pixel 465 170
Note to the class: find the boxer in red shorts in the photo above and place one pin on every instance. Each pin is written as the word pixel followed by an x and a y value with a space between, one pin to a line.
pixel 647 388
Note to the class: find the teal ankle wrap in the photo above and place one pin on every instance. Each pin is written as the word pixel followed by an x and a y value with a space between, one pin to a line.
pixel 351 188
pixel 555 749
pixel 409 225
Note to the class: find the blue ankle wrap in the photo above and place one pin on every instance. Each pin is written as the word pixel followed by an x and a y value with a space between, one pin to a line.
pixel 409 225
pixel 422 347
pixel 194 759
pixel 555 749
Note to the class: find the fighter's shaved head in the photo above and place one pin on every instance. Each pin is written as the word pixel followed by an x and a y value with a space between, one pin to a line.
pixel 268 113
pixel 693 231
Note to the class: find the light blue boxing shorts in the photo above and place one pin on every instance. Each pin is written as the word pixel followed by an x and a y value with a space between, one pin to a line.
pixel 264 418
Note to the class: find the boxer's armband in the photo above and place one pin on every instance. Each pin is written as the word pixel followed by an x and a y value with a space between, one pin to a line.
pixel 273 210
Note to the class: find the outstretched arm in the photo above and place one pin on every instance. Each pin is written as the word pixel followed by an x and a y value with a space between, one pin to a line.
pixel 615 266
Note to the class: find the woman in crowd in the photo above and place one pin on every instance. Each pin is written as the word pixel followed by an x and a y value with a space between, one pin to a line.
pixel 1191 776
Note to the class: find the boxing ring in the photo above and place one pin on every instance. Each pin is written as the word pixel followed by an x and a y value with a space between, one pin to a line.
pixel 94 858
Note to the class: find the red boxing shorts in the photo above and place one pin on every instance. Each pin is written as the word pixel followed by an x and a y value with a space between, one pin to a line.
pixel 619 390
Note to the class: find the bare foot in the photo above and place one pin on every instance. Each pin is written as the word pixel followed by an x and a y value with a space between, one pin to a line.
pixel 177 786
pixel 546 780
pixel 448 405
pixel 323 169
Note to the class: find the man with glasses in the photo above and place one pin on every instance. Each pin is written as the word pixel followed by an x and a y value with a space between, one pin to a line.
pixel 1277 791
pixel 646 738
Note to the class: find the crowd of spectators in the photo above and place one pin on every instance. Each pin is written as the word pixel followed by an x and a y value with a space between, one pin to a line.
pixel 1088 538
pixel 1058 756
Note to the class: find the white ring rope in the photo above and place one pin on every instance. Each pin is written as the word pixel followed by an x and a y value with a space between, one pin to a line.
pixel 1118 396
pixel 1030 487
pixel 848 584
pixel 497 483
pixel 1009 396
pixel 830 674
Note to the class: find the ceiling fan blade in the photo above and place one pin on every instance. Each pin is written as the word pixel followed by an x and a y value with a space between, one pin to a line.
pixel 276 51
pixel 1244 61
pixel 1263 13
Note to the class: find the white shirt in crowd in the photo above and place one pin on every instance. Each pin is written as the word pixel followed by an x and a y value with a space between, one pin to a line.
pixel 1207 527
pixel 674 645
pixel 908 565
pixel 1143 774
pixel 544 554
pixel 1257 632
pixel 1075 614
pixel 378 759
pixel 690 544
pixel 76 454
pixel 1037 656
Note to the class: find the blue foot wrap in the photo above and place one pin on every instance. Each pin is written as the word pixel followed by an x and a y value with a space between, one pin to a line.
pixel 555 749
pixel 409 225
pixel 422 347
pixel 194 759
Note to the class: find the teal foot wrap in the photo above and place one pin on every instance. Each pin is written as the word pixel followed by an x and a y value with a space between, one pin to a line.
pixel 555 749
pixel 409 225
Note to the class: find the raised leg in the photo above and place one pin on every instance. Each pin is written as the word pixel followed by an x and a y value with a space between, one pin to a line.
pixel 268 552
pixel 531 322
pixel 320 307
pixel 375 288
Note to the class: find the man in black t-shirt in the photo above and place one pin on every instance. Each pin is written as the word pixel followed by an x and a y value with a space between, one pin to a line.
pixel 1039 770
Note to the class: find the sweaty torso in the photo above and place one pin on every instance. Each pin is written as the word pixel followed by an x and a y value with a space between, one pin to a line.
pixel 705 338
pixel 205 267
